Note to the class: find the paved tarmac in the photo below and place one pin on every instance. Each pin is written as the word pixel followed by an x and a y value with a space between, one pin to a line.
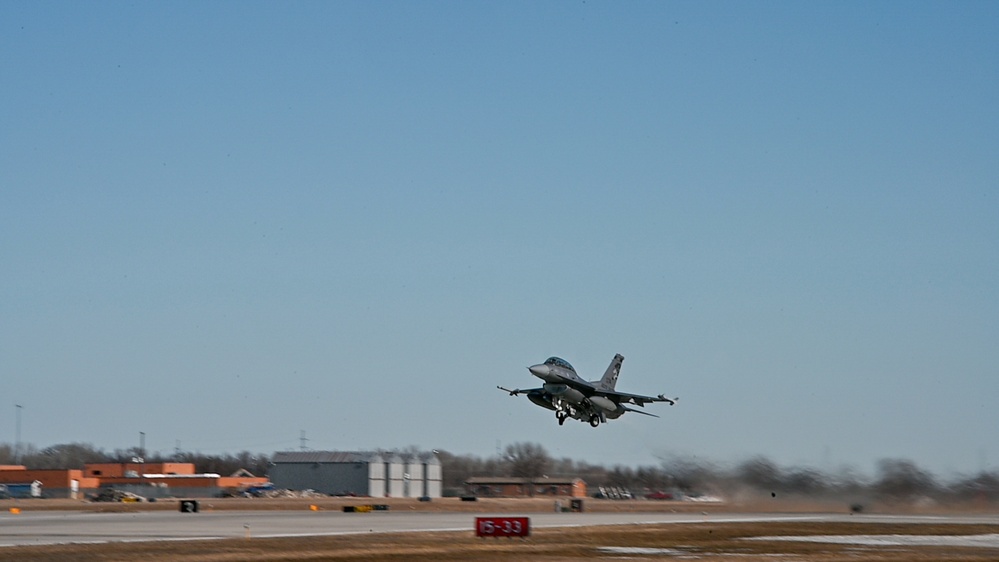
pixel 44 528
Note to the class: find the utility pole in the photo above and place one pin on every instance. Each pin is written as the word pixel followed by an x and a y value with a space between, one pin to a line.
pixel 302 441
pixel 142 444
pixel 17 442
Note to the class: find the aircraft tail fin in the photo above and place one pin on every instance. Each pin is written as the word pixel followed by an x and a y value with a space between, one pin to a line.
pixel 609 380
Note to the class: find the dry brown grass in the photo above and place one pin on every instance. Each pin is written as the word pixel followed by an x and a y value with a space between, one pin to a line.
pixel 705 541
pixel 701 541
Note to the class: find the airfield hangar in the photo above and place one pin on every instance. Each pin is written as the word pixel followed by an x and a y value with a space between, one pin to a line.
pixel 371 474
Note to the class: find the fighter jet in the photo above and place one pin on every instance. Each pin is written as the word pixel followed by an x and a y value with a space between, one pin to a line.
pixel 572 397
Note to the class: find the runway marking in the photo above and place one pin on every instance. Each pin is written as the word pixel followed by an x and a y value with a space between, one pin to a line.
pixel 642 550
pixel 368 532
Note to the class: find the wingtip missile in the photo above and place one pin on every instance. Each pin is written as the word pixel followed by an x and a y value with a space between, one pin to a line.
pixel 671 401
pixel 513 392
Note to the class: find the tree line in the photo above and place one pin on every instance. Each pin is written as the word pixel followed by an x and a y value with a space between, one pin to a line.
pixel 896 480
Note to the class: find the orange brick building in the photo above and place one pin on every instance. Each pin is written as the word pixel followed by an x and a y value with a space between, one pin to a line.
pixel 153 480
pixel 56 483
pixel 122 470
pixel 512 487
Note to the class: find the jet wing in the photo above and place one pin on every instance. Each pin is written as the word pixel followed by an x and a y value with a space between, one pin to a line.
pixel 627 409
pixel 636 399
pixel 582 386
pixel 620 397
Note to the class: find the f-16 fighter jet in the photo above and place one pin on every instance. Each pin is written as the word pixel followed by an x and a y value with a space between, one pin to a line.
pixel 572 397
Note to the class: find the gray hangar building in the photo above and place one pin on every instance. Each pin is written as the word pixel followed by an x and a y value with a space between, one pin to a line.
pixel 372 474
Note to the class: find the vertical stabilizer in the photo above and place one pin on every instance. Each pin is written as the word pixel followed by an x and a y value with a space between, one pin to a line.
pixel 609 380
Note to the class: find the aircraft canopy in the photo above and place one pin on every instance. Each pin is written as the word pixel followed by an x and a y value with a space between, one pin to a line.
pixel 559 362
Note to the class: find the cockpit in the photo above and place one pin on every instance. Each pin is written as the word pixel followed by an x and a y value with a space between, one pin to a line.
pixel 559 362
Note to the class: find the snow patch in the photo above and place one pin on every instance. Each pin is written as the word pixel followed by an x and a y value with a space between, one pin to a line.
pixel 978 541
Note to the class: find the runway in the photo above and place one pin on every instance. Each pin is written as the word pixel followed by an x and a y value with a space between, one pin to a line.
pixel 48 528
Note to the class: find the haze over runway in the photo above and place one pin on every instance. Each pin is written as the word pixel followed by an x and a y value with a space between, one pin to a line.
pixel 223 225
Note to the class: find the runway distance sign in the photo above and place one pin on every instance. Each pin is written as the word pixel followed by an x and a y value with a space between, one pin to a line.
pixel 502 526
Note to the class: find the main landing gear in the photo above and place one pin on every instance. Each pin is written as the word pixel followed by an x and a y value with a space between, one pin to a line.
pixel 564 413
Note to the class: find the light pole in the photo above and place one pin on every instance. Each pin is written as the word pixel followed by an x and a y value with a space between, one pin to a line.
pixel 17 441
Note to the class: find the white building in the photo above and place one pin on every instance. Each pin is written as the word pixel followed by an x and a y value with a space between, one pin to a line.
pixel 372 474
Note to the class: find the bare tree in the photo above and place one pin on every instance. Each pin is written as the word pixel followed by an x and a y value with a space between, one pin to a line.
pixel 457 469
pixel 805 481
pixel 652 478
pixel 902 480
pixel 983 487
pixel 68 455
pixel 527 460
pixel 690 474
pixel 7 454
pixel 760 473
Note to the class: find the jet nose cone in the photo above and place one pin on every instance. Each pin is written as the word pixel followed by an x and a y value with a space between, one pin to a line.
pixel 539 370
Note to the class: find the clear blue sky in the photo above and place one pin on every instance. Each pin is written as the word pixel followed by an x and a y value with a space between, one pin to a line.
pixel 224 223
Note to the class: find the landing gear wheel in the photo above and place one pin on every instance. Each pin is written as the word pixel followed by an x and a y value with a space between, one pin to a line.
pixel 560 416
pixel 594 420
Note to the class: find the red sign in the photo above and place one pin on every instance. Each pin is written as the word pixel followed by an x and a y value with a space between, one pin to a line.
pixel 502 527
